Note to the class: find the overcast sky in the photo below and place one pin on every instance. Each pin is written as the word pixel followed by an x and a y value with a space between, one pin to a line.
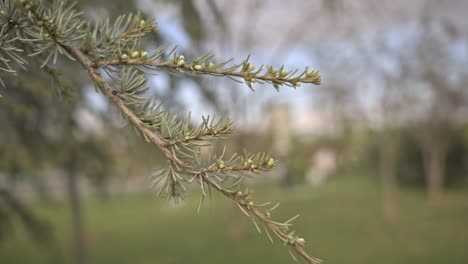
pixel 335 38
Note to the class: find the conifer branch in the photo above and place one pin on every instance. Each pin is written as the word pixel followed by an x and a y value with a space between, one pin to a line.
pixel 121 34
pixel 58 29
pixel 204 133
pixel 281 230
pixel 294 242
pixel 9 51
pixel 244 70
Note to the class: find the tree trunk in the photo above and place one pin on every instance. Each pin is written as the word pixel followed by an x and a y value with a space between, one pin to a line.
pixel 280 124
pixel 103 189
pixel 435 171
pixel 12 179
pixel 43 191
pixel 387 171
pixel 79 238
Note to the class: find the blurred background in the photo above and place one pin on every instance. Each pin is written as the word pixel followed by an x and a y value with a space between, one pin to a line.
pixel 375 159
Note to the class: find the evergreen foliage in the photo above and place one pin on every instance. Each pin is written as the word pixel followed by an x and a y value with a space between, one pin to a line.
pixel 112 54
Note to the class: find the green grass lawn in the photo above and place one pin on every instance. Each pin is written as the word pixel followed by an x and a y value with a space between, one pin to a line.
pixel 341 222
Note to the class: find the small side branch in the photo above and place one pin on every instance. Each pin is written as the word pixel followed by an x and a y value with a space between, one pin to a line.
pixel 243 71
pixel 246 206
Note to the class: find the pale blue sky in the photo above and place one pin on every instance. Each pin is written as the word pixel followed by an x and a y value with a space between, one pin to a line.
pixel 340 58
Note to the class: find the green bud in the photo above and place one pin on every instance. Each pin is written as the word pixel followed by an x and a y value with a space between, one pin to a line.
pixel 251 67
pixel 270 162
pixel 124 57
pixel 144 53
pixel 221 164
pixel 312 73
pixel 211 65
pixel 142 23
pixel 181 62
pixel 135 54
pixel 198 67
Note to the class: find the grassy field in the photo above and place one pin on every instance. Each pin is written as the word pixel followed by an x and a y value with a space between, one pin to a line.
pixel 341 221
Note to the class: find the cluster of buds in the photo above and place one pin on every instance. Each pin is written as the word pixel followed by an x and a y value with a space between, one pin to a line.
pixel 277 72
pixel 248 67
pixel 250 164
pixel 180 60
pixel 314 76
pixel 312 73
pixel 45 20
pixel 247 197
pixel 134 55
pixel 209 64
pixel 213 131
pixel 283 73
pixel 221 164
pixel 270 163
pixel 26 4
pixel 147 25
pixel 293 239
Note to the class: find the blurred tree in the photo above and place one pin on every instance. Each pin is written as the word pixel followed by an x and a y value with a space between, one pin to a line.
pixel 388 151
pixel 38 134
pixel 447 99
pixel 412 51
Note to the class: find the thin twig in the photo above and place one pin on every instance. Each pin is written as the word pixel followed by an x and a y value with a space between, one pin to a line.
pixel 247 75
